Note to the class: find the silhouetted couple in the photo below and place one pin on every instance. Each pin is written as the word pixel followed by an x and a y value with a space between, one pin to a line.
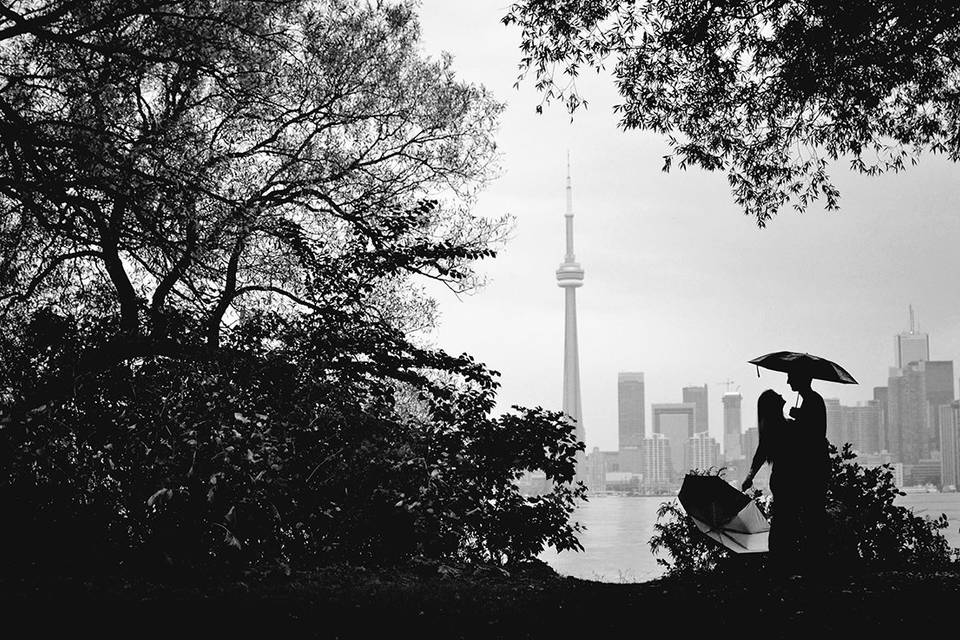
pixel 796 448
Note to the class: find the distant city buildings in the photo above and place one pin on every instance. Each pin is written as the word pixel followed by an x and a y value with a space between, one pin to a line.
pixel 703 452
pixel 912 425
pixel 677 422
pixel 950 444
pixel 834 420
pixel 732 426
pixel 938 383
pixel 880 396
pixel 908 413
pixel 698 396
pixel 751 440
pixel 658 468
pixel 631 411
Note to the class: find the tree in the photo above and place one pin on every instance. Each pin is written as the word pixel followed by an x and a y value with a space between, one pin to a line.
pixel 215 216
pixel 769 91
pixel 181 164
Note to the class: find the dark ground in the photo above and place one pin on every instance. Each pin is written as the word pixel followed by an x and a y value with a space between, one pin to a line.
pixel 348 602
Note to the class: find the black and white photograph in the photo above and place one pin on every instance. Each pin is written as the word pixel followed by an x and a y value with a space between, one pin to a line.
pixel 479 319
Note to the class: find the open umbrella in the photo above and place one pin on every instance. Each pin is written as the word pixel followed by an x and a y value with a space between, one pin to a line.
pixel 814 366
pixel 725 514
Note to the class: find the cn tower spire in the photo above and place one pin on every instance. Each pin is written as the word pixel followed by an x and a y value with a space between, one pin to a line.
pixel 568 216
pixel 569 278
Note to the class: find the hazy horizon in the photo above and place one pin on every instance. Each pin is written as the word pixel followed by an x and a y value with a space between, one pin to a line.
pixel 679 283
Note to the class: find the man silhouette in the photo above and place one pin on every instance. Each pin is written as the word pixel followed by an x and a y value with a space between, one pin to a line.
pixel 810 470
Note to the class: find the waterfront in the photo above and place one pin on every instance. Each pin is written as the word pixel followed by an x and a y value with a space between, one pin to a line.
pixel 616 542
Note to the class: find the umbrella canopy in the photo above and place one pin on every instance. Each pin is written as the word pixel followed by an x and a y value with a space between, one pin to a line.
pixel 814 366
pixel 724 514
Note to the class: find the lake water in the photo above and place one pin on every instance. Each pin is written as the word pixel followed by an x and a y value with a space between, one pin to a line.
pixel 616 542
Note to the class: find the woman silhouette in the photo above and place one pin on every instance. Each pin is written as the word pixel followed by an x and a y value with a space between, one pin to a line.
pixel 775 449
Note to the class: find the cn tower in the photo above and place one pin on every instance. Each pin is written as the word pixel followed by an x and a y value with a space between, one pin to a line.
pixel 569 277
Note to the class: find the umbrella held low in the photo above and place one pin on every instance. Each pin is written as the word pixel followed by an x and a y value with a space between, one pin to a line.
pixel 725 514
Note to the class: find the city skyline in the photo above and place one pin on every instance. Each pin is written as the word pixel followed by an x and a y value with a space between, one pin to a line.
pixel 682 285
pixel 942 373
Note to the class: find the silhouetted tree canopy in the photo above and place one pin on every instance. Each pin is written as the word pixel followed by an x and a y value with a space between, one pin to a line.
pixel 180 164
pixel 769 91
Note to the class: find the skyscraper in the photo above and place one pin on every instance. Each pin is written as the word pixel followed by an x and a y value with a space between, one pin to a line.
pixel 631 409
pixel 916 393
pixel 880 396
pixel 939 391
pixel 834 421
pixel 911 346
pixel 698 396
pixel 569 277
pixel 908 413
pixel 676 422
pixel 870 427
pixel 950 443
pixel 732 442
pixel 657 470
pixel 703 452
pixel 861 427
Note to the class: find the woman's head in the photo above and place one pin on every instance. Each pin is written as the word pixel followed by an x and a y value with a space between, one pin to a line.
pixel 769 408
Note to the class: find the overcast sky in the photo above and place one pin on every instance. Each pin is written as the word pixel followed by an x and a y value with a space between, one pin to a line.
pixel 679 283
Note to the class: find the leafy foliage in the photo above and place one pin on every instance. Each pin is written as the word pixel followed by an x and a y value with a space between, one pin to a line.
pixel 769 92
pixel 865 528
pixel 279 457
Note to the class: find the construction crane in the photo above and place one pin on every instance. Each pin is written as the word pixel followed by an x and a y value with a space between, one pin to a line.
pixel 728 384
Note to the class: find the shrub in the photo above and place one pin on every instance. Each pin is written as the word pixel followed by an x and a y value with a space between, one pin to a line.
pixel 317 442
pixel 866 530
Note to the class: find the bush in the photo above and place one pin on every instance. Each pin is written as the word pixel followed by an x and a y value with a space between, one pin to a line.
pixel 866 530
pixel 320 440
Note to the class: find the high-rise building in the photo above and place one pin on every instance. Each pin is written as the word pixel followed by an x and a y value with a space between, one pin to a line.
pixel 751 440
pixel 595 470
pixel 870 427
pixel 913 417
pixel 896 390
pixel 631 409
pixel 569 278
pixel 880 397
pixel 911 346
pixel 657 467
pixel 703 452
pixel 698 396
pixel 834 421
pixel 908 414
pixel 861 427
pixel 939 391
pixel 950 443
pixel 676 422
pixel 732 426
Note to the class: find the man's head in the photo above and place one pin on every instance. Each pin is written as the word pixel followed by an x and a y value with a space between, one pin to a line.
pixel 799 381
